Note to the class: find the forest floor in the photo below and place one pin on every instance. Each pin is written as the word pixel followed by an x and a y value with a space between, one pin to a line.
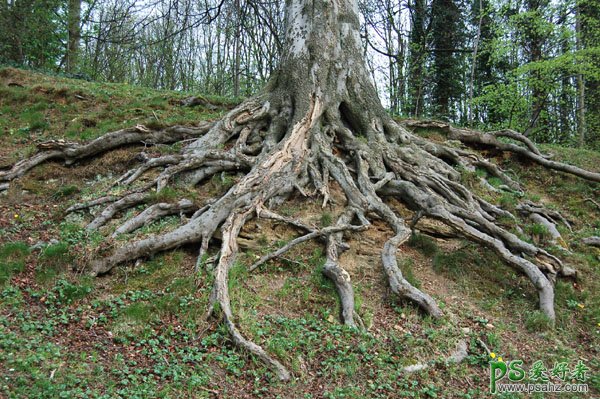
pixel 141 332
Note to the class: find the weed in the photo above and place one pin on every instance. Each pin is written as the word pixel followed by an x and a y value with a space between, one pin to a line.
pixel 167 194
pixel 65 292
pixel 508 201
pixel 406 266
pixel 536 321
pixel 66 191
pixel 34 119
pixel 140 312
pixel 423 243
pixel 12 259
pixel 53 260
pixel 538 231
pixel 226 180
pixel 452 262
pixel 326 219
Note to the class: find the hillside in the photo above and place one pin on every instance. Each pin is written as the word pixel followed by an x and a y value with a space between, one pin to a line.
pixel 141 331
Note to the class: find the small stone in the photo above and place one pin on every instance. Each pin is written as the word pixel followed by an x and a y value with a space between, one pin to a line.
pixel 489 326
pixel 466 330
pixel 37 246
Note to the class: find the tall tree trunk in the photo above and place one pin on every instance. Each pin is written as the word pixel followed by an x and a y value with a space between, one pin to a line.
pixel 74 28
pixel 588 21
pixel 580 84
pixel 535 40
pixel 417 51
pixel 237 49
pixel 445 28
pixel 474 62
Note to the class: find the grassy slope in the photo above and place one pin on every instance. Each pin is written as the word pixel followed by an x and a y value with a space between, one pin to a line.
pixel 140 332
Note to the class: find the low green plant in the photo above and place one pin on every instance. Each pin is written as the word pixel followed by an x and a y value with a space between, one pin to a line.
pixel 424 244
pixel 450 262
pixel 326 219
pixel 66 292
pixel 538 230
pixel 12 259
pixel 406 266
pixel 536 321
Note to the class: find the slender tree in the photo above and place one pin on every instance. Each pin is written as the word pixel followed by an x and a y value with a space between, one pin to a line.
pixel 447 40
pixel 417 56
pixel 588 34
pixel 74 32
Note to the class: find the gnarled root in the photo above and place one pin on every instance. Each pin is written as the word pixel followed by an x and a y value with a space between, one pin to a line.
pixel 277 150
pixel 73 152
pixel 530 151
pixel 220 295
pixel 398 283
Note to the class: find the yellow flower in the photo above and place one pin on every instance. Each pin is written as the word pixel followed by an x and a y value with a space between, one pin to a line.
pixel 500 359
pixel 16 216
pixel 581 305
pixel 493 355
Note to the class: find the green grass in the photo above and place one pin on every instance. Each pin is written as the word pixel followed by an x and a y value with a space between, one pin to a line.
pixel 424 244
pixel 407 271
pixel 12 260
pixel 52 107
pixel 537 322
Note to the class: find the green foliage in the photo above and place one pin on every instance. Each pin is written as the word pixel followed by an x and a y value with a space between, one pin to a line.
pixel 326 219
pixel 65 292
pixel 32 35
pixel 406 266
pixel 538 231
pixel 12 259
pixel 451 262
pixel 536 321
pixel 167 194
pixel 424 244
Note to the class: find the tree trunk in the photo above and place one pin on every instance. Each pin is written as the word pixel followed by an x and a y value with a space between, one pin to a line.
pixel 416 57
pixel 323 58
pixel 580 86
pixel 74 28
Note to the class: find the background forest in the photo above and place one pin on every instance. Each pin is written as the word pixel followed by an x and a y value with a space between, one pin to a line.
pixel 528 65
pixel 128 152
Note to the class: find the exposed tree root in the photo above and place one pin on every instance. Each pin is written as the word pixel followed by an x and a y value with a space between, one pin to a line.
pixel 592 241
pixel 313 132
pixel 473 137
pixel 220 295
pixel 313 152
pixel 73 152
pixel 153 213
pixel 313 234
pixel 398 283
pixel 307 154
pixel 545 217
pixel 457 356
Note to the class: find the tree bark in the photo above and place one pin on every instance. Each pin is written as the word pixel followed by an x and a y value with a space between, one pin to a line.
pixel 74 28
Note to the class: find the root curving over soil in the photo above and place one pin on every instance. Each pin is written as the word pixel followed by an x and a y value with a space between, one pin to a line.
pixel 317 124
